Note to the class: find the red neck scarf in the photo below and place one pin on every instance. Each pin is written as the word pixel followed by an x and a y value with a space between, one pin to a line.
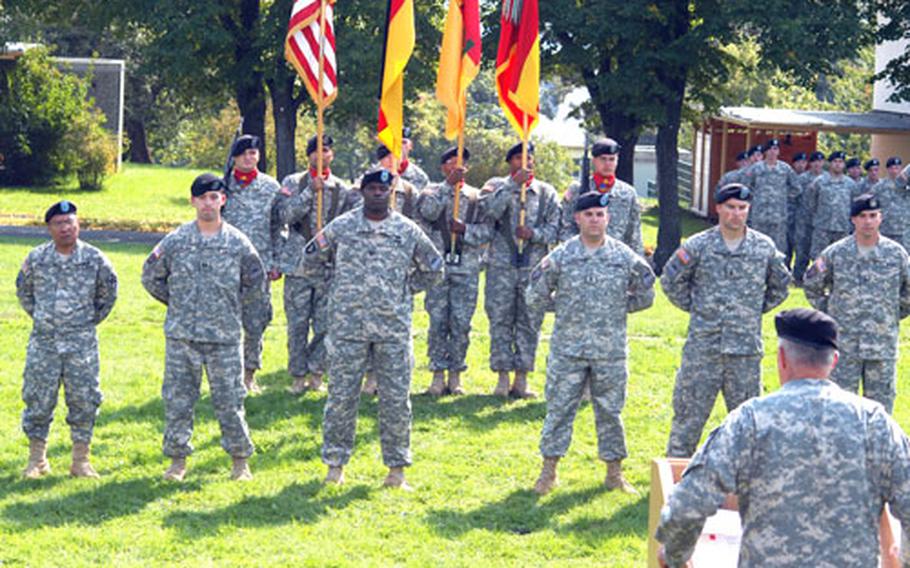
pixel 325 173
pixel 604 184
pixel 530 179
pixel 245 177
pixel 403 165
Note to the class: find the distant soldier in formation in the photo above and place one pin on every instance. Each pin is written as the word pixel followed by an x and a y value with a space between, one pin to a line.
pixel 863 282
pixel 799 163
pixel 854 170
pixel 815 168
pixel 252 207
pixel 774 185
pixel 726 277
pixel 625 211
pixel 451 304
pixel 735 175
pixel 871 178
pixel 894 198
pixel 811 464
pixel 755 154
pixel 515 249
pixel 305 298
pixel 378 260
pixel 596 282
pixel 404 193
pixel 408 170
pixel 213 283
pixel 67 287
pixel 829 204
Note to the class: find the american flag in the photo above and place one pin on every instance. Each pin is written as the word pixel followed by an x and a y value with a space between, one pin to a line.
pixel 302 47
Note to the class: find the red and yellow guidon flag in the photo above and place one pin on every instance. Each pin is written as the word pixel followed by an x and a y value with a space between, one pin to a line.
pixel 399 44
pixel 518 64
pixel 305 40
pixel 459 60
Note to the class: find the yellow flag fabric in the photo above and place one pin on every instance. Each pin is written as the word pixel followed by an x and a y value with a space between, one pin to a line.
pixel 399 45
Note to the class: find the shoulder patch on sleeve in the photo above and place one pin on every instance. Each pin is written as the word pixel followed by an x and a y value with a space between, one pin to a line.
pixel 683 256
pixel 818 267
pixel 157 252
pixel 25 267
pixel 321 241
pixel 540 269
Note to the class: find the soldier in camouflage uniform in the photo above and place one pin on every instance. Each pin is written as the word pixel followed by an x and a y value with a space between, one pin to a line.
pixel 799 165
pixel 252 207
pixel 625 211
pixel 451 304
pixel 213 283
pixel 404 194
pixel 811 464
pixel 894 197
pixel 863 282
pixel 596 281
pixel 735 176
pixel 829 205
pixel 872 167
pixel 408 170
pixel 726 278
pixel 379 259
pixel 305 299
pixel 854 170
pixel 774 185
pixel 67 287
pixel 804 215
pixel 514 329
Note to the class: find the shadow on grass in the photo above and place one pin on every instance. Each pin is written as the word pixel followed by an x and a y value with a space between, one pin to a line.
pixel 478 412
pixel 301 503
pixel 16 484
pixel 150 411
pixel 524 512
pixel 95 505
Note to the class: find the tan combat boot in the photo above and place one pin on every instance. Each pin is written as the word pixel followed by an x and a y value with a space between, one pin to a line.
pixel 371 386
pixel 520 386
pixel 249 381
pixel 240 470
pixel 454 384
pixel 502 387
pixel 299 386
pixel 395 479
pixel 316 384
pixel 438 386
pixel 547 479
pixel 176 471
pixel 81 466
pixel 615 479
pixel 335 475
pixel 37 459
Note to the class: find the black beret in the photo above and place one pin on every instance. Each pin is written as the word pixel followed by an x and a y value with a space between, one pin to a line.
pixel 382 152
pixel 244 143
pixel 604 146
pixel 807 326
pixel 591 199
pixel 871 163
pixel 837 155
pixel 852 163
pixel 516 151
pixel 742 156
pixel 376 176
pixel 772 143
pixel 453 152
pixel 816 156
pixel 864 202
pixel 733 191
pixel 60 208
pixel 757 149
pixel 894 161
pixel 205 183
pixel 799 156
pixel 311 144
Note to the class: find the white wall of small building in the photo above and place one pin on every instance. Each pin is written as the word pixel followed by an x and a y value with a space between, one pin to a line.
pixel 886 145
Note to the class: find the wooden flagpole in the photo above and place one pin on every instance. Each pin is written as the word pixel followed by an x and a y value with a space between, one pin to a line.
pixel 522 212
pixel 320 111
pixel 459 162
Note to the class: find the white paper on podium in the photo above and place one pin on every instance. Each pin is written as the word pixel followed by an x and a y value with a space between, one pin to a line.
pixel 718 545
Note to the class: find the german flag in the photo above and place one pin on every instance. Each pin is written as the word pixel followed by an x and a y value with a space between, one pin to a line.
pixel 518 64
pixel 459 60
pixel 399 44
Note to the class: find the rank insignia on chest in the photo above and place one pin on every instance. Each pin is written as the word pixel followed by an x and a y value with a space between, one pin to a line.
pixel 683 256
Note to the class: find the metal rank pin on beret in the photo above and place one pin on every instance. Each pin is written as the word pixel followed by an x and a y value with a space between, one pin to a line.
pixel 64 207
pixel 733 191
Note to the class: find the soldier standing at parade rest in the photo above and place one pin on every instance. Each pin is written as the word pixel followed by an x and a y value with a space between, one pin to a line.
pixel 67 287
pixel 305 299
pixel 211 279
pixel 452 302
pixel 812 465
pixel 252 207
pixel 514 330
pixel 726 277
pixel 872 167
pixel 804 215
pixel 829 205
pixel 863 282
pixel 774 185
pixel 894 198
pixel 854 170
pixel 596 282
pixel 625 211
pixel 734 176
pixel 379 259
pixel 408 170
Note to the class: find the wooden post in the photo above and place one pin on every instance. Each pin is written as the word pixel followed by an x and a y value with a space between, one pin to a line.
pixel 459 162
pixel 522 213
pixel 320 111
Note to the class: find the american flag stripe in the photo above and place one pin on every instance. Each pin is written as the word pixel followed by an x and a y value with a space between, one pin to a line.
pixel 302 47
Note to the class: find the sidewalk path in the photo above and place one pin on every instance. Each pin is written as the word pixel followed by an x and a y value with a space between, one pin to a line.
pixel 86 235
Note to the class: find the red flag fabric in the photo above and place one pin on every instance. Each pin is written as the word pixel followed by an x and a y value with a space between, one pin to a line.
pixel 303 44
pixel 518 64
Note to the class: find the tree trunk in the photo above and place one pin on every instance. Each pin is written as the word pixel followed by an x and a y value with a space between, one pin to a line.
pixel 250 85
pixel 284 113
pixel 669 230
pixel 616 125
pixel 139 152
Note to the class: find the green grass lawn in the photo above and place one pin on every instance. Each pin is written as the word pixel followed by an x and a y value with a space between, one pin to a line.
pixel 475 462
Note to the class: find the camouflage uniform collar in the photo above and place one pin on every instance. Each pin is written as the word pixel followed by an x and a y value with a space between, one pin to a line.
pixel 77 255
pixel 364 225
pixel 874 253
pixel 720 246
pixel 807 383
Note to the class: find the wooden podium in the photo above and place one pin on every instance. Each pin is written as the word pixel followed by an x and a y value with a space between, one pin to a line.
pixel 718 546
